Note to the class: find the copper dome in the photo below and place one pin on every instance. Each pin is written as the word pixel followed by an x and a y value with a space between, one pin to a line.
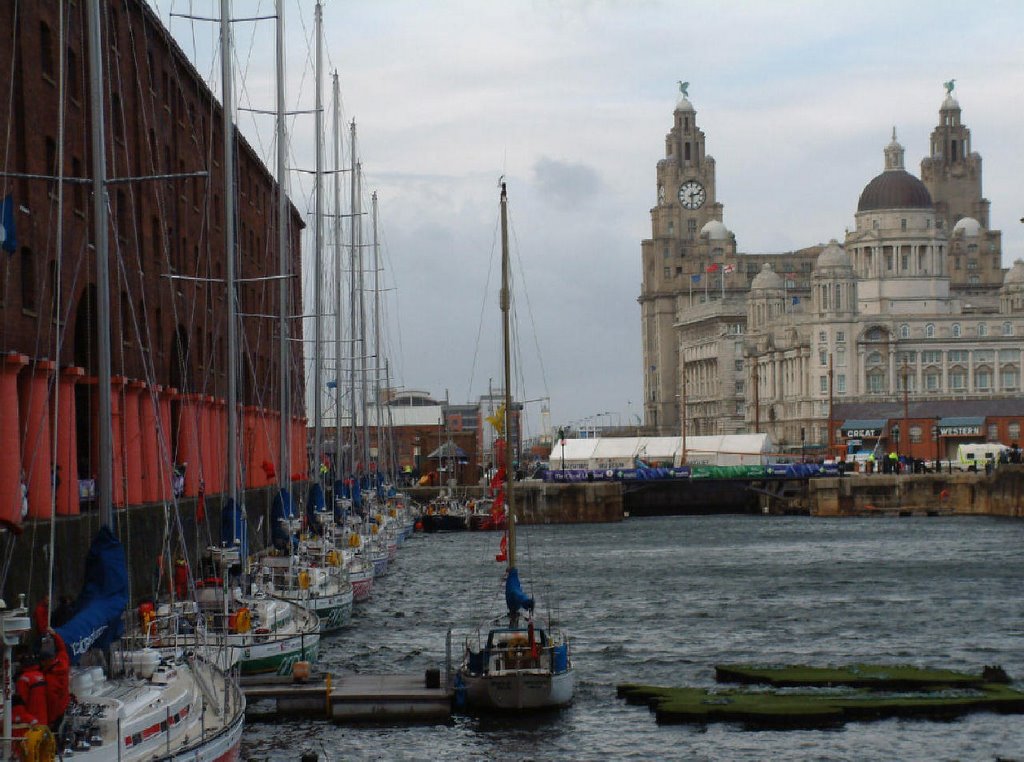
pixel 894 189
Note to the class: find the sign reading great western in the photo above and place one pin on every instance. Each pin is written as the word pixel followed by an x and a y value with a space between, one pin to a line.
pixel 862 433
pixel 960 431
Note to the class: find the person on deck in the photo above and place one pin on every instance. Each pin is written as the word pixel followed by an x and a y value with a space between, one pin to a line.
pixel 22 721
pixel 31 687
pixel 55 666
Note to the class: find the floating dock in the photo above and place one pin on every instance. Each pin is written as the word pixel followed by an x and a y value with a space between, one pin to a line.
pixel 351 697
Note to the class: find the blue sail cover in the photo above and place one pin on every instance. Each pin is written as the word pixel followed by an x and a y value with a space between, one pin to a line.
pixel 234 527
pixel 102 600
pixel 516 599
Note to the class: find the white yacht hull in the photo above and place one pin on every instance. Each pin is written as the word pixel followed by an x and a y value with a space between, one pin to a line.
pixel 521 690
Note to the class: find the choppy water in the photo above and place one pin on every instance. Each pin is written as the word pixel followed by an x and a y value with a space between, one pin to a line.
pixel 662 600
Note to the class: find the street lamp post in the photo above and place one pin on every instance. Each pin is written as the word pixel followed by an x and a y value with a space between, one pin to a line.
pixel 561 437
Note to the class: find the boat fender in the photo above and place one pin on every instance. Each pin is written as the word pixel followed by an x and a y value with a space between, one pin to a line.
pixel 147 618
pixel 241 620
pixel 353 541
pixel 374 529
pixel 303 580
pixel 38 745
pixel 334 558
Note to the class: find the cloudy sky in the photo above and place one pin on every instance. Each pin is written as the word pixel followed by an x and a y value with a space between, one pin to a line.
pixel 570 102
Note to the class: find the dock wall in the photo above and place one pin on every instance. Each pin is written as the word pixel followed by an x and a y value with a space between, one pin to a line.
pixel 962 494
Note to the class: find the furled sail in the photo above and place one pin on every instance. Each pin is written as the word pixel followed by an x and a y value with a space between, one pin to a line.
pixel 516 599
pixel 97 622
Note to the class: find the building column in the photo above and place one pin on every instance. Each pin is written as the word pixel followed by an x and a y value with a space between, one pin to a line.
pixel 152 430
pixel 188 442
pixel 10 438
pixel 133 441
pixel 118 438
pixel 892 369
pixel 37 441
pixel 204 463
pixel 165 445
pixel 970 371
pixel 67 443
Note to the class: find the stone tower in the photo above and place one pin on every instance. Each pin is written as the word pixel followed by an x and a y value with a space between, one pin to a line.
pixel 681 242
pixel 952 173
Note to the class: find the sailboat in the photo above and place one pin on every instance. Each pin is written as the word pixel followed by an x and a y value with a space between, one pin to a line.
pixel 134 704
pixel 308 573
pixel 246 624
pixel 519 664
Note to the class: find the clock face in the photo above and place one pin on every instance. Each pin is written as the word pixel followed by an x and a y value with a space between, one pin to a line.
pixel 692 194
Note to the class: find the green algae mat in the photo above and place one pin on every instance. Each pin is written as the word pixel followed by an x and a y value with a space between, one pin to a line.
pixel 813 697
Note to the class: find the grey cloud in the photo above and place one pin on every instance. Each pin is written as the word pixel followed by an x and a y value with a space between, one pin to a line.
pixel 565 183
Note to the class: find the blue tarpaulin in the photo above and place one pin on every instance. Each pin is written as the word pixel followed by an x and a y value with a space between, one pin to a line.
pixel 97 621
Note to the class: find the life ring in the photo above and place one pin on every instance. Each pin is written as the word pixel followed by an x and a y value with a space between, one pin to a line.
pixel 334 557
pixel 241 620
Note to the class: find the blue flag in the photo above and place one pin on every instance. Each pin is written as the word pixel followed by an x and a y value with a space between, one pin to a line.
pixel 695 278
pixel 8 237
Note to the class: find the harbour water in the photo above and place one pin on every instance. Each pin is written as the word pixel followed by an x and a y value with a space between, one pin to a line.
pixel 662 600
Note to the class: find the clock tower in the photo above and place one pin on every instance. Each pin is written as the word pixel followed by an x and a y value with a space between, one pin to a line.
pixel 680 248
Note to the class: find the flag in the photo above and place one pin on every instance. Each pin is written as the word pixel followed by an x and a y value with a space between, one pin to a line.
pixel 730 269
pixel 498 419
pixel 796 300
pixel 712 268
pixel 503 552
pixel 695 278
pixel 8 236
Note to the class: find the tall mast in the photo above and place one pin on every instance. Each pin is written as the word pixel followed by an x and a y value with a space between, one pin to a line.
pixel 336 141
pixel 284 266
pixel 318 433
pixel 376 333
pixel 505 301
pixel 99 218
pixel 229 248
pixel 353 199
pixel 362 324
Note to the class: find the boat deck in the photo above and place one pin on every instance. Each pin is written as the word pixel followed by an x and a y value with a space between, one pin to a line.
pixel 350 697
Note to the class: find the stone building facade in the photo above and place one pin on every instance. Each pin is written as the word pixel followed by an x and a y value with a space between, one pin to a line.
pixel 915 295
pixel 167 336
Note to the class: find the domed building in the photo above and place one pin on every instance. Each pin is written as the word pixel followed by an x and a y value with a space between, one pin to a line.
pixel 829 348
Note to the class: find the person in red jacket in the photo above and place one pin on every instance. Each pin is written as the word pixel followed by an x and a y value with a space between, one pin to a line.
pixel 55 666
pixel 31 687
pixel 21 722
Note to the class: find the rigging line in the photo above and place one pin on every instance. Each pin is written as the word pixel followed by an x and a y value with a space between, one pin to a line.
pixel 529 310
pixel 56 296
pixel 483 306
